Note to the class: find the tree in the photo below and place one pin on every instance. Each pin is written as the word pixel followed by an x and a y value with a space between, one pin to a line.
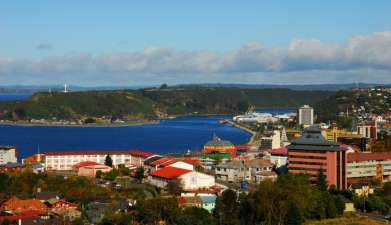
pixel 108 161
pixel 321 182
pixel 227 208
pixel 195 216
pixel 98 174
pixel 293 216
pixel 174 186
pixel 339 204
pixel 139 174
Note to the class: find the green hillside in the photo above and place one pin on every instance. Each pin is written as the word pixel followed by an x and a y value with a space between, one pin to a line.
pixel 153 103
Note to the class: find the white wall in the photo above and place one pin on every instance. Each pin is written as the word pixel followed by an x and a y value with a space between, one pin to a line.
pixel 8 155
pixel 196 180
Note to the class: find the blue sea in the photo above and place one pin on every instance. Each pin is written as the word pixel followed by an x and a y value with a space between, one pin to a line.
pixel 169 136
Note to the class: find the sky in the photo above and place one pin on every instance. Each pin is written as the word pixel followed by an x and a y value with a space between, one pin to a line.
pixel 100 43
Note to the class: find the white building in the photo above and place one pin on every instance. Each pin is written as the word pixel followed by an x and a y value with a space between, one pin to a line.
pixel 190 180
pixel 8 155
pixel 306 116
pixel 239 170
pixel 65 160
pixel 273 141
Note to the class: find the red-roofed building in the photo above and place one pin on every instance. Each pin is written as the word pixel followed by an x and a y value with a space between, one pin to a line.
pixel 364 166
pixel 182 163
pixel 66 160
pixel 77 166
pixel 18 206
pixel 190 179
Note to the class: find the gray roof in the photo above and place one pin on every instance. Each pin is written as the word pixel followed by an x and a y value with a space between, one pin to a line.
pixel 12 165
pixel 312 139
pixel 216 141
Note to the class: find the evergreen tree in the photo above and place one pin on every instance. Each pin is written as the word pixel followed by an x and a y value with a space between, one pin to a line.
pixel 293 216
pixel 339 204
pixel 321 183
pixel 139 174
pixel 108 161
pixel 227 208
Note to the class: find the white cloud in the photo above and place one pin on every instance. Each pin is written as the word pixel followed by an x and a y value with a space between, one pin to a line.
pixel 360 58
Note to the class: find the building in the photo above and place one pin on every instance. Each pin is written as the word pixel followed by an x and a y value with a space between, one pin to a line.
pixel 279 157
pixel 191 180
pixel 89 169
pixel 161 162
pixel 305 116
pixel 65 160
pixel 8 154
pixel 217 145
pixel 16 205
pixel 312 152
pixel 239 170
pixel 368 130
pixel 272 141
pixel 368 166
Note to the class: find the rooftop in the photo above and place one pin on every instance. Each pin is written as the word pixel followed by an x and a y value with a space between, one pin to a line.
pixel 137 153
pixel 169 172
pixel 312 139
pixel 370 156
pixel 216 142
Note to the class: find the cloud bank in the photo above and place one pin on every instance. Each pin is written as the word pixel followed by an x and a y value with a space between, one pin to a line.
pixel 364 58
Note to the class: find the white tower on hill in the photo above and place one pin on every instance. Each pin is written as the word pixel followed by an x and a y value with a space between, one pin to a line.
pixel 66 88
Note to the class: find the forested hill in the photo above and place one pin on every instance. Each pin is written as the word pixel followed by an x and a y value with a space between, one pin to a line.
pixel 154 103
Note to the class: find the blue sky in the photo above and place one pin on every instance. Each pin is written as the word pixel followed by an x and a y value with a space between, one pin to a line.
pixel 39 37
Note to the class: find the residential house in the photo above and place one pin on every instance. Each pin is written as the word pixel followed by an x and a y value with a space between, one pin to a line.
pixel 239 170
pixel 18 206
pixel 190 179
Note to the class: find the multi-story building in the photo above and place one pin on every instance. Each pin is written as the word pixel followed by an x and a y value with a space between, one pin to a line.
pixel 368 130
pixel 65 160
pixel 312 152
pixel 305 116
pixel 368 166
pixel 272 141
pixel 8 154
pixel 240 170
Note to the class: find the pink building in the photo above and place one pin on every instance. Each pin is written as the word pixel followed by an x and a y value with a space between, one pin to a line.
pixel 311 152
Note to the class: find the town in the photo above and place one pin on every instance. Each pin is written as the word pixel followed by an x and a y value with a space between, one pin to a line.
pixel 333 170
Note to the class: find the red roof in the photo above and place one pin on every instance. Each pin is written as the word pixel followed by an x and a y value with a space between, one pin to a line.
pixel 166 161
pixel 83 164
pixel 137 153
pixel 279 151
pixel 169 172
pixel 362 156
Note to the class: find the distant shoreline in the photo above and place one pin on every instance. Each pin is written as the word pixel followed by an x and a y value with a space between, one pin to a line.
pixel 20 124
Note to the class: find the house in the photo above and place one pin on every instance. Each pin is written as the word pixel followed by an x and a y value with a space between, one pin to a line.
pixel 279 157
pixel 190 201
pixel 89 169
pixel 13 166
pixel 45 196
pixel 18 206
pixel 190 179
pixel 67 210
pixel 208 202
pixel 96 211
pixel 182 163
pixel 239 170
pixel 264 175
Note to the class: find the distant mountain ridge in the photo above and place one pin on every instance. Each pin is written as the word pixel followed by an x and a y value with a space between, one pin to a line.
pixel 306 87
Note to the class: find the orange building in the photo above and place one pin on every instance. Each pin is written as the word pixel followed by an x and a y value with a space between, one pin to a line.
pixel 217 145
pixel 312 152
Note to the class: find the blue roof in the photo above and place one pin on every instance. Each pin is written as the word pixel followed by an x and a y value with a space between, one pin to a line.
pixel 208 199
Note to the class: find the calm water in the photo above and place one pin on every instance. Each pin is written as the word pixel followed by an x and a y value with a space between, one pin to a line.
pixel 14 96
pixel 169 136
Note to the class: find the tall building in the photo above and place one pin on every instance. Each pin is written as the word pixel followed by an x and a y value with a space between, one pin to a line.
pixel 305 116
pixel 8 154
pixel 273 141
pixel 312 152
